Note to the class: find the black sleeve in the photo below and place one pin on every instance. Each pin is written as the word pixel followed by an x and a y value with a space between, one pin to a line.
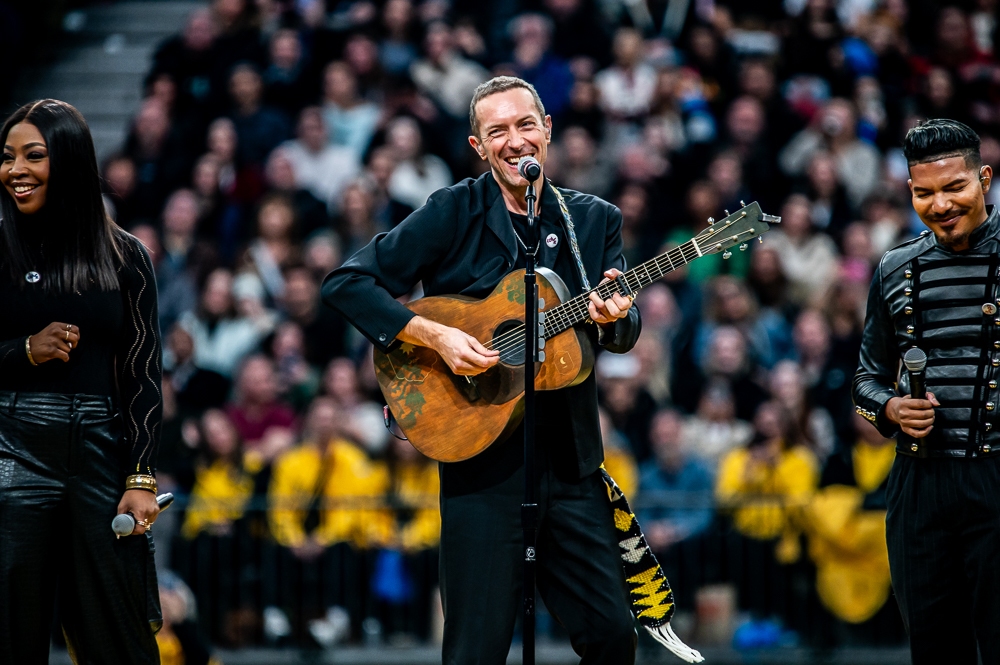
pixel 13 356
pixel 365 288
pixel 878 366
pixel 625 332
pixel 138 359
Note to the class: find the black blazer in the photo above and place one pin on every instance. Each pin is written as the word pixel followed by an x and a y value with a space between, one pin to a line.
pixel 462 242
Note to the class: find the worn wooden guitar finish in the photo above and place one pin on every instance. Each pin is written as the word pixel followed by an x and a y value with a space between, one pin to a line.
pixel 451 418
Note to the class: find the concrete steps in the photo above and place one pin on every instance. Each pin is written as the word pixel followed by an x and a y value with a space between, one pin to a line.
pixel 101 61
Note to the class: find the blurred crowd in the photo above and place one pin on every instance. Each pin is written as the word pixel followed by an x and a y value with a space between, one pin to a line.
pixel 276 137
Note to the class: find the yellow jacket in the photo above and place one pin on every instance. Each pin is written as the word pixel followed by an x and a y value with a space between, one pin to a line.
pixel 766 499
pixel 219 497
pixel 351 506
pixel 847 543
pixel 415 488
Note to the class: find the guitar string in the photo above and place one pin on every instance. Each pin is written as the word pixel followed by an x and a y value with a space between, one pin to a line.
pixel 515 337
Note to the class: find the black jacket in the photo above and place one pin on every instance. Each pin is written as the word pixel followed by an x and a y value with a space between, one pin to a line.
pixel 462 242
pixel 945 303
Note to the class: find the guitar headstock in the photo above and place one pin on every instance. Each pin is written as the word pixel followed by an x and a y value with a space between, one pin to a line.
pixel 738 228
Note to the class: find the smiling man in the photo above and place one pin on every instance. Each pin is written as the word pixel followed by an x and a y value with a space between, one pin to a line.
pixel 464 241
pixel 940 292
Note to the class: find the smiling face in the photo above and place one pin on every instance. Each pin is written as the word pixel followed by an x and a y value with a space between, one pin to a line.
pixel 510 127
pixel 948 196
pixel 24 171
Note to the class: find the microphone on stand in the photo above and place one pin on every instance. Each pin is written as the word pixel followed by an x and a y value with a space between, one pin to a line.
pixel 915 361
pixel 124 524
pixel 529 168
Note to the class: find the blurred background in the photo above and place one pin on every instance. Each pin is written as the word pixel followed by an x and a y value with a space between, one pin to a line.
pixel 254 144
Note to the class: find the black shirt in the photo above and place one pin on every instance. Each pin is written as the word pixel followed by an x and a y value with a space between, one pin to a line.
pixel 119 351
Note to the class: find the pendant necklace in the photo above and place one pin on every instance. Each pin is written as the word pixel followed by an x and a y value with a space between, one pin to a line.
pixel 32 276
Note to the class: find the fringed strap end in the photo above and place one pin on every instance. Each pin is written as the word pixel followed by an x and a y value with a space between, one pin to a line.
pixel 666 636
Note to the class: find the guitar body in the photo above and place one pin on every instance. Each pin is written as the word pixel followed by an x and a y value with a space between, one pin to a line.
pixel 451 418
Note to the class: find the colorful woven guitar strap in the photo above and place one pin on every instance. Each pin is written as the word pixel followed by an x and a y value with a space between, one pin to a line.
pixel 650 592
pixel 571 229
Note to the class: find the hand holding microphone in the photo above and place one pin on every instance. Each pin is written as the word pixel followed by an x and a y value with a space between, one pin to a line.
pixel 124 524
pixel 914 413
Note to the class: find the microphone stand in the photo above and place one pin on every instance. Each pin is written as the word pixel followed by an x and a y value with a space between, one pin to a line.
pixel 529 509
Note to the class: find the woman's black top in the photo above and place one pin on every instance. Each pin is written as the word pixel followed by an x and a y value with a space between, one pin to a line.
pixel 119 351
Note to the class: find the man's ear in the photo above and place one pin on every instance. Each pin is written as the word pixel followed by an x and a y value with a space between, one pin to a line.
pixel 548 128
pixel 985 176
pixel 909 183
pixel 478 147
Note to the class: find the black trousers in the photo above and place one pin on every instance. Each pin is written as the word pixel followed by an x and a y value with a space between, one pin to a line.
pixel 943 532
pixel 579 573
pixel 61 479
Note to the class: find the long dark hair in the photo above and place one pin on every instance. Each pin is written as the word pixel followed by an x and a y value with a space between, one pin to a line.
pixel 83 247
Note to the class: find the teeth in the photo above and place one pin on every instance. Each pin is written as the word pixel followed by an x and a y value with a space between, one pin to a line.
pixel 21 189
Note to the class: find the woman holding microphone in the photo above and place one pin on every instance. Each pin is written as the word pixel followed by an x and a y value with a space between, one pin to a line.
pixel 80 407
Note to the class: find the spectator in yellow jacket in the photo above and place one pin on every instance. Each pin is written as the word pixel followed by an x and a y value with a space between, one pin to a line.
pixel 223 486
pixel 216 555
pixel 405 575
pixel 846 526
pixel 326 513
pixel 768 482
pixel 764 487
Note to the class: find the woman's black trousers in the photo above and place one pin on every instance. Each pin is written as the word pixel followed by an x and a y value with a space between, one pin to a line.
pixel 61 479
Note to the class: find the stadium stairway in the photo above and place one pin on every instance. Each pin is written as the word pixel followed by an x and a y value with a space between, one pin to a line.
pixel 101 58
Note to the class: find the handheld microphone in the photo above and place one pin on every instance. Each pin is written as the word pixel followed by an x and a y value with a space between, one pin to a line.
pixel 529 168
pixel 124 524
pixel 915 361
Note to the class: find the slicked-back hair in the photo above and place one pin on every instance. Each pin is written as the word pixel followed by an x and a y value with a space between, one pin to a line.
pixel 82 247
pixel 939 139
pixel 500 84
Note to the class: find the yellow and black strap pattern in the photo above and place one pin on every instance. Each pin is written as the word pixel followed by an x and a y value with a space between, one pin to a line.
pixel 649 591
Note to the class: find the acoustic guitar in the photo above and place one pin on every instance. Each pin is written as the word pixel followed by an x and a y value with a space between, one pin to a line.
pixel 451 418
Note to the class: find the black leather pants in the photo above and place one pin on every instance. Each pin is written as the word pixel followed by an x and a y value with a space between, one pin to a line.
pixel 61 478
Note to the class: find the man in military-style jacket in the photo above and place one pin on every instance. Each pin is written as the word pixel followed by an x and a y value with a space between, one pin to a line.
pixel 940 292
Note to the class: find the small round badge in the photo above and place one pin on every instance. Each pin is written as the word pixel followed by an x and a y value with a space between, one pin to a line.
pixel 989 309
pixel 552 240
pixel 32 277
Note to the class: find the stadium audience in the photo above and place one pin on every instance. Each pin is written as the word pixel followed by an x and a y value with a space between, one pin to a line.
pixel 800 106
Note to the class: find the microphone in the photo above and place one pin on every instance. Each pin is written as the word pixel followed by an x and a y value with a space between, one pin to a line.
pixel 915 361
pixel 124 524
pixel 529 168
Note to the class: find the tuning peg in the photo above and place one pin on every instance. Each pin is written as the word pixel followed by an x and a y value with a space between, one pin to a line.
pixel 541 304
pixel 742 205
pixel 541 356
pixel 760 240
pixel 541 342
pixel 726 254
pixel 743 247
pixel 711 220
pixel 727 212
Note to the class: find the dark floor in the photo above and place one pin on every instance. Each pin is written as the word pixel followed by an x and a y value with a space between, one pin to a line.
pixel 549 655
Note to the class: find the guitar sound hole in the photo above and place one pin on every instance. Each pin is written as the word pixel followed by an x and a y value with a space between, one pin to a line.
pixel 508 338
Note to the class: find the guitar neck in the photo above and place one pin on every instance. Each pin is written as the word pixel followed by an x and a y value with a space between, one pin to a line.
pixel 574 311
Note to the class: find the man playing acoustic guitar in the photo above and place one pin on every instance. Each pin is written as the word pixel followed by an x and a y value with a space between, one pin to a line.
pixel 464 240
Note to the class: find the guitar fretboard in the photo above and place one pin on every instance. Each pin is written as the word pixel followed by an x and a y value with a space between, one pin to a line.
pixel 573 311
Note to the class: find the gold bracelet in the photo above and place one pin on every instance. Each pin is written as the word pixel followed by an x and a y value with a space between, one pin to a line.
pixel 27 349
pixel 141 481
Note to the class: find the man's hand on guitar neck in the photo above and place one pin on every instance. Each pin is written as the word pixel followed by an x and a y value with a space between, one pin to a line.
pixel 463 353
pixel 606 312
